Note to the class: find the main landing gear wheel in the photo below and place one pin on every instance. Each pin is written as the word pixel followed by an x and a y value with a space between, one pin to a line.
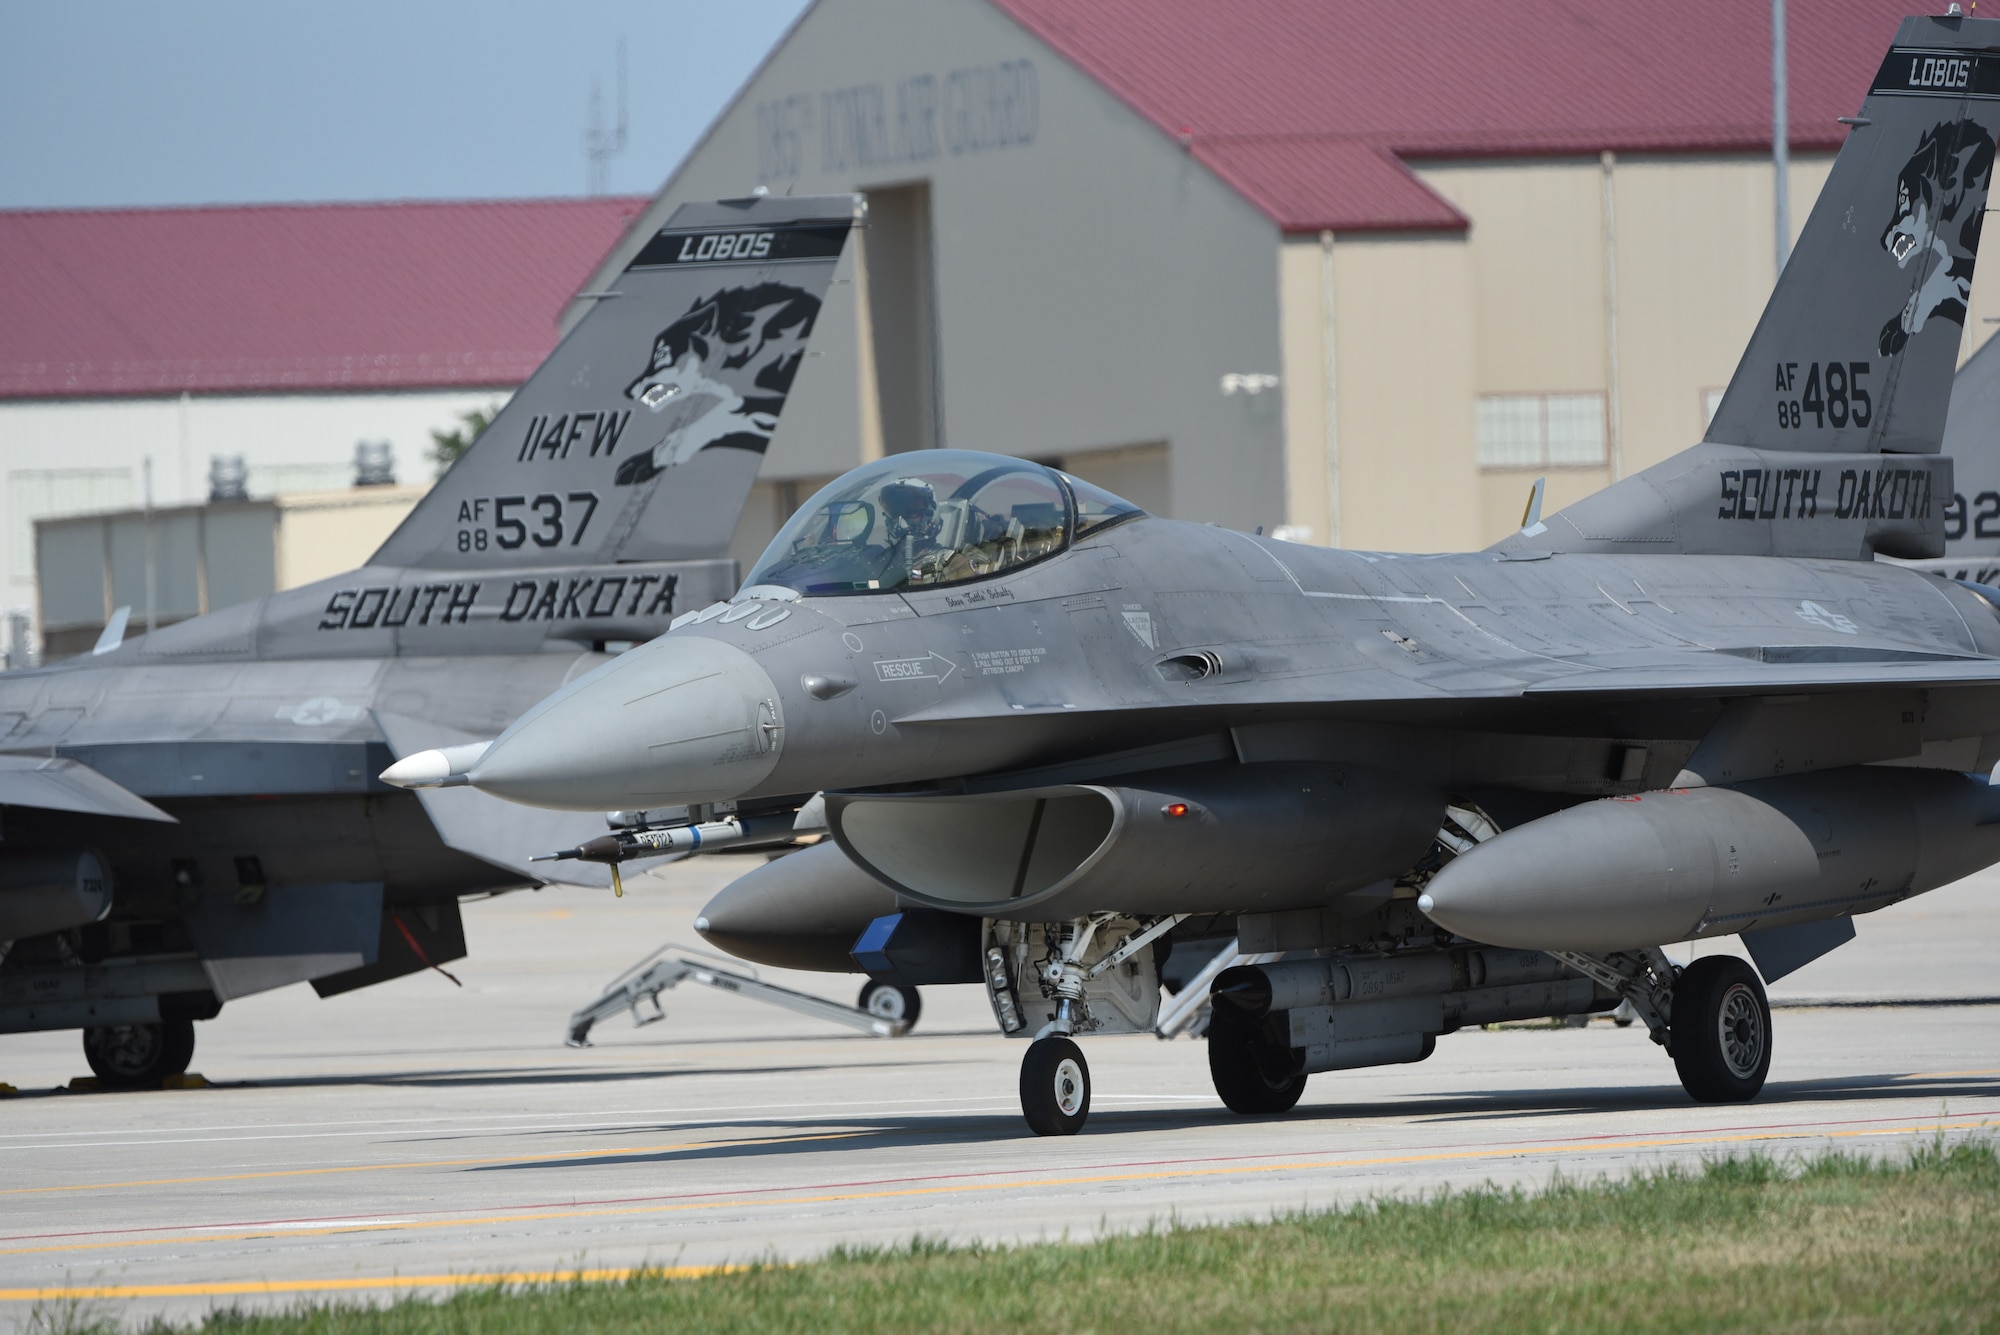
pixel 1721 1026
pixel 1238 1058
pixel 139 1056
pixel 889 1001
pixel 1055 1087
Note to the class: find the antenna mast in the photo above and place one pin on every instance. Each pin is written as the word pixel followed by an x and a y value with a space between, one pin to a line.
pixel 600 146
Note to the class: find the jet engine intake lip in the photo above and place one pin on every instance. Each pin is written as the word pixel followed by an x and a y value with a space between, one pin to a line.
pixel 1255 838
pixel 876 833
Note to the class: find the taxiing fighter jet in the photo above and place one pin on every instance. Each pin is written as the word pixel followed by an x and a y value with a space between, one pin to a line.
pixel 193 816
pixel 1054 734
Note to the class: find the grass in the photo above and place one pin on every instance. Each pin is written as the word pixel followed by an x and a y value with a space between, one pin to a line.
pixel 1835 1243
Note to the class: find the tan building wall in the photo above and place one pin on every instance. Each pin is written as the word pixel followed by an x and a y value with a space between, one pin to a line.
pixel 328 533
pixel 1674 253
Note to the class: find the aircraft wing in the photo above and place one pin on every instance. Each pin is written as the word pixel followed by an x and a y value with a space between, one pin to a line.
pixel 489 828
pixel 54 784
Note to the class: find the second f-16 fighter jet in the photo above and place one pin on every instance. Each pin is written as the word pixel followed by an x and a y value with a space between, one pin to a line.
pixel 1051 735
pixel 193 816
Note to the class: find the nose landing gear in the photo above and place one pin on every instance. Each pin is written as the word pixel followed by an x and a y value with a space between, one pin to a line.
pixel 1055 1079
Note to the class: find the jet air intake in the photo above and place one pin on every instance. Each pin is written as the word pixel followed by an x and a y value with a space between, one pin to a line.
pixel 1628 872
pixel 51 892
pixel 1250 837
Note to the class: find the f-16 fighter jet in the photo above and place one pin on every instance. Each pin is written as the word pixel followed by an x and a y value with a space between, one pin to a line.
pixel 193 816
pixel 1054 734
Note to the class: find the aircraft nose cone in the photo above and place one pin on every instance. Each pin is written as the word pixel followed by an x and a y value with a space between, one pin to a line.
pixel 682 719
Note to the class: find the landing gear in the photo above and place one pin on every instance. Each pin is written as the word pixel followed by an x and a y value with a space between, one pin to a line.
pixel 1055 1087
pixel 1055 1080
pixel 1252 1074
pixel 891 1001
pixel 1721 1030
pixel 139 1056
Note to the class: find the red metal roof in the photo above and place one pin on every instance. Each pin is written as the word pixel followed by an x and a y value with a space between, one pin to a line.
pixel 1310 108
pixel 291 298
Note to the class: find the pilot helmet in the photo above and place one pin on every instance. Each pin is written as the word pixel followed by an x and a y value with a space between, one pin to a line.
pixel 909 499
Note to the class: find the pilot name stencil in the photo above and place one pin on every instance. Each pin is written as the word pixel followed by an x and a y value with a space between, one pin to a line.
pixel 1796 493
pixel 999 593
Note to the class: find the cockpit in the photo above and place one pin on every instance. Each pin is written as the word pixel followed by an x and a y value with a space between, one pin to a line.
pixel 932 518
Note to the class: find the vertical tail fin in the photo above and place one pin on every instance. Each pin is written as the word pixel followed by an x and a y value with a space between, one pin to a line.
pixel 640 436
pixel 1855 351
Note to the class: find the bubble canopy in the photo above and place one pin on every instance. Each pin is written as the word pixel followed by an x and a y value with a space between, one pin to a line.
pixel 931 518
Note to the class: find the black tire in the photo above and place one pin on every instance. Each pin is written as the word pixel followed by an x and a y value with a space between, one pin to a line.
pixel 891 1001
pixel 139 1056
pixel 1252 1074
pixel 1055 1087
pixel 1720 1024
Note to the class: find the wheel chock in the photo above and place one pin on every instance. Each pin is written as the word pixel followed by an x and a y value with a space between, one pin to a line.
pixel 186 1080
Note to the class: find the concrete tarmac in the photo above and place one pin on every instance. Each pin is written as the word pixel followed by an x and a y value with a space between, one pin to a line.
pixel 406 1137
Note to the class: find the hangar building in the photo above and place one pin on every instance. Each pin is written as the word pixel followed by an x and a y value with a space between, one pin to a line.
pixel 1358 269
pixel 141 344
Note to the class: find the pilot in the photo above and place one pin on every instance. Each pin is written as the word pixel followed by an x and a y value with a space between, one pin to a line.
pixel 912 512
pixel 912 509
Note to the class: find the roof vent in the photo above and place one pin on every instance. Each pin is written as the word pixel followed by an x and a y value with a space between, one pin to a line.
pixel 374 463
pixel 228 478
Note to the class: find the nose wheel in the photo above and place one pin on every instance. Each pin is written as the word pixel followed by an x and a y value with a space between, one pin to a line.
pixel 1721 1030
pixel 1055 1087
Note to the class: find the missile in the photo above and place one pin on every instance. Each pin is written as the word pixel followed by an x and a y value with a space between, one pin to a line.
pixel 768 828
pixel 1627 872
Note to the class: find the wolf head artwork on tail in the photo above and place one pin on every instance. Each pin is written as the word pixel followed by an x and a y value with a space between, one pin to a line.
pixel 1862 363
pixel 719 374
pixel 641 437
pixel 1940 198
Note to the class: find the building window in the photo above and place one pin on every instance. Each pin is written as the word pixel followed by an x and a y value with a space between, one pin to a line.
pixel 1541 430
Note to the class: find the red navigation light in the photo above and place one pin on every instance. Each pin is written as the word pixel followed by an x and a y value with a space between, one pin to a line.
pixel 1175 810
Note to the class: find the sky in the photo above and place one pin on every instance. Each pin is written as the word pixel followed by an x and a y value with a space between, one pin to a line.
pixel 123 103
